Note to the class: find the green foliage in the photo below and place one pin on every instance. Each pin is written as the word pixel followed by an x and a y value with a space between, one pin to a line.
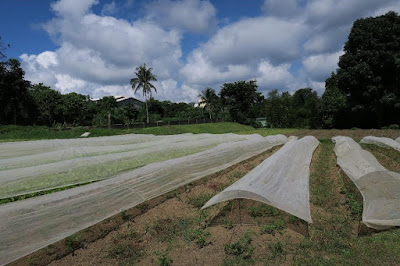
pixel 242 100
pixel 305 106
pixel 273 227
pixel 277 249
pixel 200 200
pixel 369 71
pixel 16 104
pixel 164 259
pixel 199 237
pixel 143 79
pixel 242 248
pixel 263 210
pixel 210 100
pixel 73 243
pixel 126 252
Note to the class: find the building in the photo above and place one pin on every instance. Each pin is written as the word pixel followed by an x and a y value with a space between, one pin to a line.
pixel 122 101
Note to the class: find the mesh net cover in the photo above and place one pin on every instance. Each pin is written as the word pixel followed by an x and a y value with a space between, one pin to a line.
pixel 282 180
pixel 379 187
pixel 52 217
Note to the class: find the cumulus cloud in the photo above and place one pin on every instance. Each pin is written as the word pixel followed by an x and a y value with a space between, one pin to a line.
pixel 252 38
pixel 319 67
pixel 281 8
pixel 109 9
pixel 274 77
pixel 98 53
pixel 195 16
pixel 101 51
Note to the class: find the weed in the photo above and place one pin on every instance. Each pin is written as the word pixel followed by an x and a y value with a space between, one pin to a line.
pixel 228 223
pixel 242 248
pixel 273 227
pixel 165 229
pixel 277 249
pixel 199 237
pixel 163 258
pixel 125 217
pixel 73 243
pixel 200 200
pixel 262 210
pixel 126 250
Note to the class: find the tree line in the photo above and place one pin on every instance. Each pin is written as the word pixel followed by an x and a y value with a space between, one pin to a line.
pixel 363 92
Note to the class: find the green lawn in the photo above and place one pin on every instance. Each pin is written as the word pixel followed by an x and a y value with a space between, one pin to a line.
pixel 21 133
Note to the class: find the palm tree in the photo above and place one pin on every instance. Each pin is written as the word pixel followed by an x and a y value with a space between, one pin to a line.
pixel 142 81
pixel 208 97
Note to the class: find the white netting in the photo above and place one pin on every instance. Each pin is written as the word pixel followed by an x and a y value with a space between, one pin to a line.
pixel 66 166
pixel 379 187
pixel 382 141
pixel 49 218
pixel 398 139
pixel 282 180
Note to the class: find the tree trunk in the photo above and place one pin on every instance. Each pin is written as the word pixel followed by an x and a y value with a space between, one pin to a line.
pixel 147 112
pixel 15 115
pixel 109 119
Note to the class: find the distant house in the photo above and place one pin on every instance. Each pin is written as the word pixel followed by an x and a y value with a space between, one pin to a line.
pixel 122 101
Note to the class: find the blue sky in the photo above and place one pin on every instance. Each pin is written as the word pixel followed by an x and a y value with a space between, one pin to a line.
pixel 93 46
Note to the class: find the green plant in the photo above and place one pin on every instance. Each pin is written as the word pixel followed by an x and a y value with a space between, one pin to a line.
pixel 273 227
pixel 125 217
pixel 73 243
pixel 228 223
pixel 165 229
pixel 241 248
pixel 200 200
pixel 277 249
pixel 263 210
pixel 163 258
pixel 126 251
pixel 199 237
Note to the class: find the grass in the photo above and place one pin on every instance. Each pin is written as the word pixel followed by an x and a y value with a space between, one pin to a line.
pixel 200 200
pixel 240 252
pixel 20 133
pixel 273 227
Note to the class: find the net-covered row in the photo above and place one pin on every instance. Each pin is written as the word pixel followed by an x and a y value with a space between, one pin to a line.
pixel 89 167
pixel 49 218
pixel 15 149
pixel 382 142
pixel 398 139
pixel 379 187
pixel 282 180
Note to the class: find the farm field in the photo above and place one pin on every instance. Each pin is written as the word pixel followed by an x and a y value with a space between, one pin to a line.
pixel 171 229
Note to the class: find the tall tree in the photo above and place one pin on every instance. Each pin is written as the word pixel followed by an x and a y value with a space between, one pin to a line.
pixel 209 98
pixel 240 98
pixel 15 100
pixel 142 82
pixel 369 71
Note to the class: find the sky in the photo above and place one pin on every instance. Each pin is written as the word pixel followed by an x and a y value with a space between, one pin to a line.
pixel 92 47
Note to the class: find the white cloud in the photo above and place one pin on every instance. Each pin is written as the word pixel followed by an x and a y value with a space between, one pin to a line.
pixel 73 8
pixel 97 54
pixel 196 16
pixel 274 76
pixel 319 67
pixel 281 8
pixel 109 9
pixel 199 70
pixel 264 37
